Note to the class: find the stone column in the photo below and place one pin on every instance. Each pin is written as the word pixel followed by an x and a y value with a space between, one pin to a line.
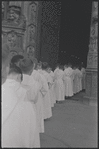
pixel 92 59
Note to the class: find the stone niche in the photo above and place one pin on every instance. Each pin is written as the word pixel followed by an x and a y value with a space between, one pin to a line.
pixel 13 25
pixel 92 59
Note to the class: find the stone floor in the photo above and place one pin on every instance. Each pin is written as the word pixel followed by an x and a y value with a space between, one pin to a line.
pixel 73 124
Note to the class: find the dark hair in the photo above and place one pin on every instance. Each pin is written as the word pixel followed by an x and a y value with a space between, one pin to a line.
pixel 15 70
pixel 26 65
pixel 45 65
pixel 61 67
pixel 16 59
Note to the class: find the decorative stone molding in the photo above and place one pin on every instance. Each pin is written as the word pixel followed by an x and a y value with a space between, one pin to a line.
pixel 92 60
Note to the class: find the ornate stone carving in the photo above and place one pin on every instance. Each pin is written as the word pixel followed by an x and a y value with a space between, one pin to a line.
pixel 95 60
pixel 90 60
pixel 3 7
pixel 30 51
pixel 32 13
pixel 88 84
pixel 13 15
pixel 31 33
pixel 94 85
pixel 11 39
pixel 95 9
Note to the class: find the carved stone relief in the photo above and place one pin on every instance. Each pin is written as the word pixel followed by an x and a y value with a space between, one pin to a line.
pixel 12 39
pixel 94 85
pixel 30 51
pixel 32 13
pixel 31 33
pixel 88 84
pixel 90 60
pixel 3 7
pixel 95 9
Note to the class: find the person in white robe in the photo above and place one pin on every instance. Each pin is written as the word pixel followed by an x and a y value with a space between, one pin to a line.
pixel 68 82
pixel 57 68
pixel 27 67
pixel 53 85
pixel 52 95
pixel 59 86
pixel 74 80
pixel 77 79
pixel 18 115
pixel 47 100
pixel 80 80
pixel 40 104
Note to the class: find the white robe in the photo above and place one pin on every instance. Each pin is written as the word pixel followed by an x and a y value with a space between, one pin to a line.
pixel 40 104
pixel 74 82
pixel 18 118
pixel 33 92
pixel 78 81
pixel 59 86
pixel 68 81
pixel 46 98
pixel 52 88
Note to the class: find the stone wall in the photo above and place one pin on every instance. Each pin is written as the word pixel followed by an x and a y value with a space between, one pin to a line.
pixel 19 26
pixel 92 60
pixel 50 25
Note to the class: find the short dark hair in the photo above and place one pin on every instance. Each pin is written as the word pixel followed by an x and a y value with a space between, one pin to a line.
pixel 45 65
pixel 16 59
pixel 61 67
pixel 26 65
pixel 15 70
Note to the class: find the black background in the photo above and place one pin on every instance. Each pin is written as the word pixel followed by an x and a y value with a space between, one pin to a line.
pixel 75 29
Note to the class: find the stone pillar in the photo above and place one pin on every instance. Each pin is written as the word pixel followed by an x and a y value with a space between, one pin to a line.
pixel 31 12
pixel 92 59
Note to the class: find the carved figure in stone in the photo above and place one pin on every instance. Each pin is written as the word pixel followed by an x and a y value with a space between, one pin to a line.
pixel 92 31
pixel 11 39
pixel 32 32
pixel 33 7
pixel 13 15
pixel 90 60
pixel 32 15
pixel 30 50
pixel 3 7
pixel 95 10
